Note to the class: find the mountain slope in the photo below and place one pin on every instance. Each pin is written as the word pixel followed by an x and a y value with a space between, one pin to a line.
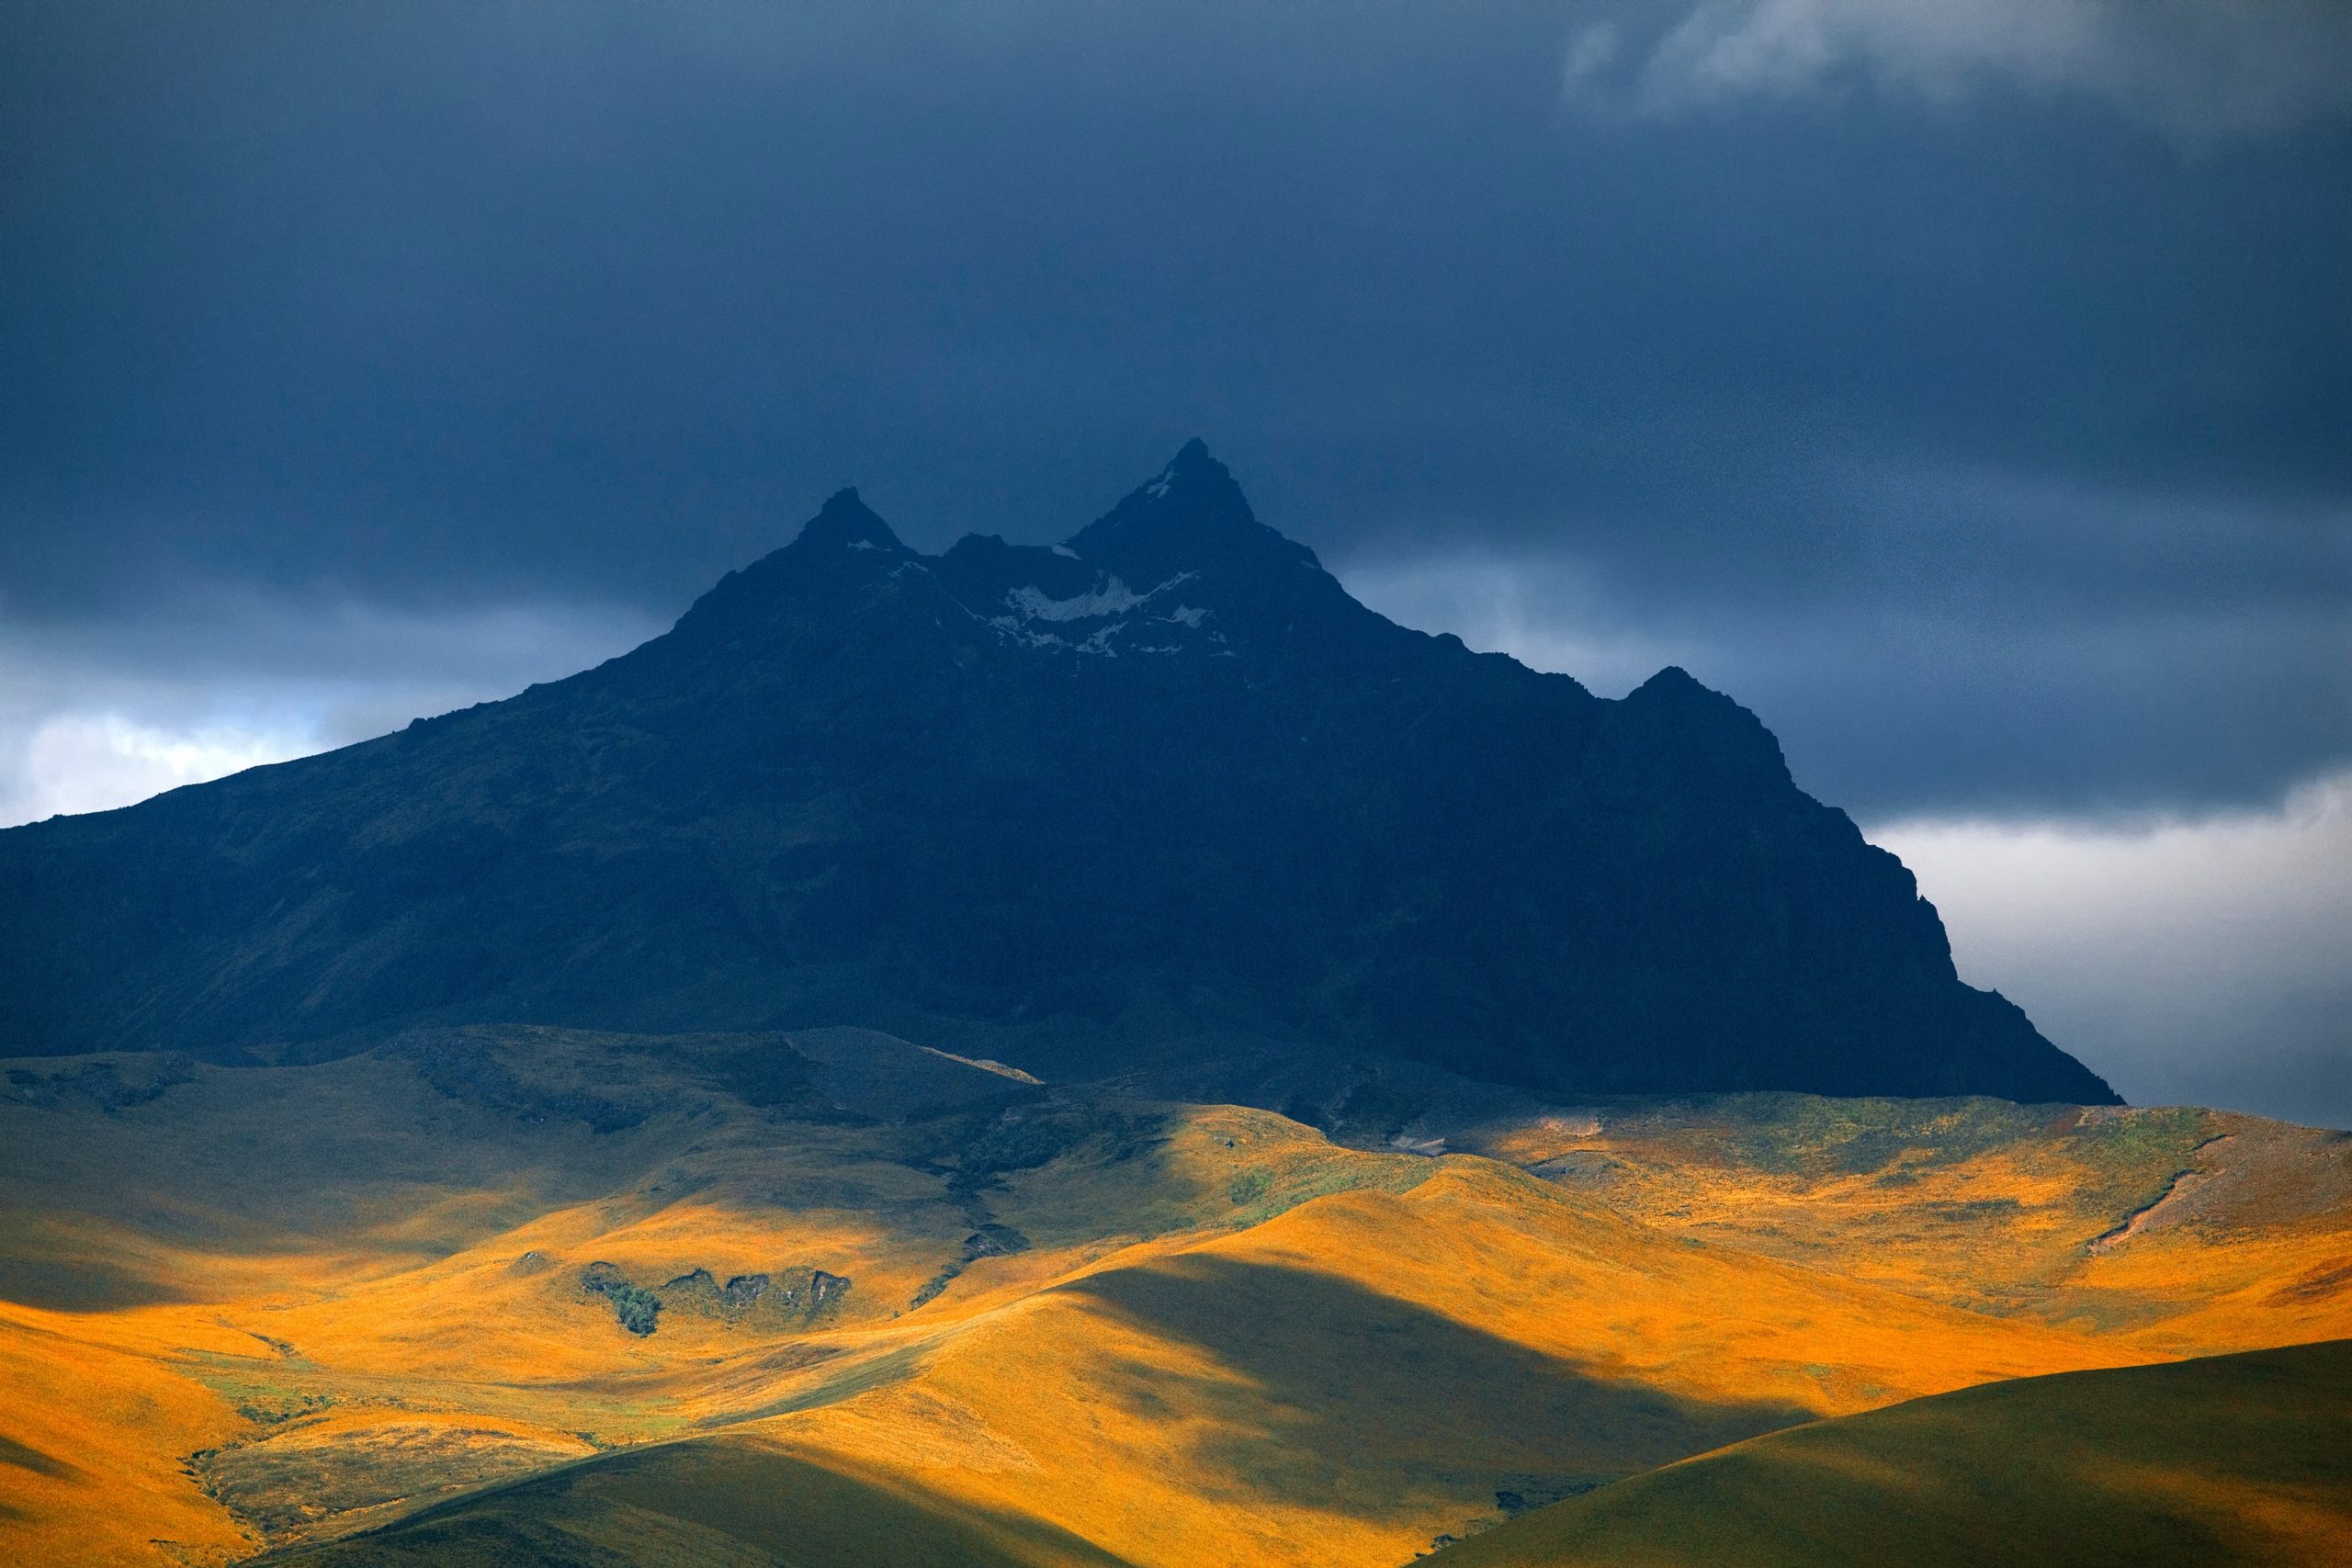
pixel 1072 806
pixel 2243 1458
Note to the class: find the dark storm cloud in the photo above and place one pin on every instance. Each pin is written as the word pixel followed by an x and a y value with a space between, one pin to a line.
pixel 1969 399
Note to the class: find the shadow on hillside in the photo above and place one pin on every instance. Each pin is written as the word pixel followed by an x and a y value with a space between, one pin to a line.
pixel 2244 1460
pixel 712 1500
pixel 1341 1398
pixel 80 1284
pixel 26 1457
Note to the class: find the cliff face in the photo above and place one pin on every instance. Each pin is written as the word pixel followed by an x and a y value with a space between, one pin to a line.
pixel 1164 780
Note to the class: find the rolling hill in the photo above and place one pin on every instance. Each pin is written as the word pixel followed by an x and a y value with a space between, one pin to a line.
pixel 2243 1458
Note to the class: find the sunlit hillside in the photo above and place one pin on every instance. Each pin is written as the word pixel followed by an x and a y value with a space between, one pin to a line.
pixel 531 1296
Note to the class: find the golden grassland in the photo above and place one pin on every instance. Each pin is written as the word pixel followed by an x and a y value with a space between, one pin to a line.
pixel 2179 1230
pixel 345 1311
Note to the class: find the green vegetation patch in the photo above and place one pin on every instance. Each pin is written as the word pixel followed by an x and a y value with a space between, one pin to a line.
pixel 1804 1134
pixel 634 1307
pixel 1260 1195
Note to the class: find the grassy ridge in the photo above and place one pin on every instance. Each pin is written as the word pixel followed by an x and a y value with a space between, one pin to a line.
pixel 2242 1458
pixel 714 1503
pixel 2011 1210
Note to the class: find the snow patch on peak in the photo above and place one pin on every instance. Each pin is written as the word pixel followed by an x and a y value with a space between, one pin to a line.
pixel 1010 626
pixel 1158 487
pixel 863 545
pixel 1065 550
pixel 1035 619
pixel 1110 597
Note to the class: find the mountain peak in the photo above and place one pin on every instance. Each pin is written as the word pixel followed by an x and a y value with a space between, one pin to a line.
pixel 846 521
pixel 1192 483
pixel 1671 684
pixel 1194 458
pixel 846 543
pixel 1191 514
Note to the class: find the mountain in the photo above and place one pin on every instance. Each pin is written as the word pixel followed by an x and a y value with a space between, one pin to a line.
pixel 1157 789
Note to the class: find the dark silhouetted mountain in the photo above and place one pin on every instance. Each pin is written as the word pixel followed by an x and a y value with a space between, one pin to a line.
pixel 1164 782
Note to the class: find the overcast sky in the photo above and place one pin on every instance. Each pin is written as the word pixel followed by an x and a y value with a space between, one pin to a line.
pixel 1966 388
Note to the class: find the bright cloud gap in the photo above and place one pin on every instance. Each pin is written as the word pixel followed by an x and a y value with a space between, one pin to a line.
pixel 106 722
pixel 76 762
pixel 2202 962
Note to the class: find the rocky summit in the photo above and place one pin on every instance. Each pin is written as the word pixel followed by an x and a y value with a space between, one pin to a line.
pixel 1147 794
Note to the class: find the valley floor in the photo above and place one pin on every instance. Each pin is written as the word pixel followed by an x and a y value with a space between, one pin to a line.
pixel 529 1296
